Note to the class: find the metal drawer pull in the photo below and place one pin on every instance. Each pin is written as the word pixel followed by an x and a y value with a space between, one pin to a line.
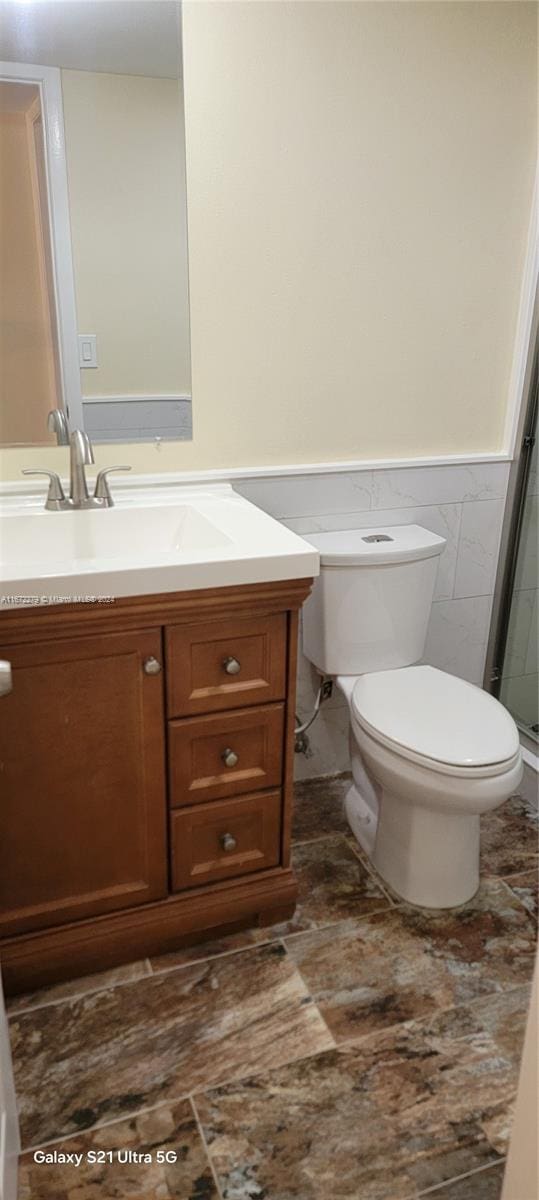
pixel 228 842
pixel 231 665
pixel 229 758
pixel 151 666
pixel 6 678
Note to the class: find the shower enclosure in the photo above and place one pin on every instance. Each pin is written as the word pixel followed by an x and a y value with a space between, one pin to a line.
pixel 514 678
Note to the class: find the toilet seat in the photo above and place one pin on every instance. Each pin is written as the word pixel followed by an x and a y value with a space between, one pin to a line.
pixel 436 720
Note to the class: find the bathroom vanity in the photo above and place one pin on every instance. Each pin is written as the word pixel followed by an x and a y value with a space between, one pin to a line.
pixel 146 758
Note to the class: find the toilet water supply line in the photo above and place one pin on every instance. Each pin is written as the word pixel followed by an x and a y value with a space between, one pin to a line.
pixel 323 693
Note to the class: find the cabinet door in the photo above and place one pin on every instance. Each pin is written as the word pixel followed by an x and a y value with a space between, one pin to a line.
pixel 82 780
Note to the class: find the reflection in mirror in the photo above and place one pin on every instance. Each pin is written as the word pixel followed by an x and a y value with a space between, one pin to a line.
pixel 94 309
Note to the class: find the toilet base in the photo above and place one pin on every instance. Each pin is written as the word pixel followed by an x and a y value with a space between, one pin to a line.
pixel 362 816
pixel 430 859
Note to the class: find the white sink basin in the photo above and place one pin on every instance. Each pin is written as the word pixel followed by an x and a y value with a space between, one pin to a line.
pixel 109 533
pixel 183 539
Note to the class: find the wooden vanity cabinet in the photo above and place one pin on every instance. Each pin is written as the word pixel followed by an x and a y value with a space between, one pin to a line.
pixel 146 763
pixel 82 753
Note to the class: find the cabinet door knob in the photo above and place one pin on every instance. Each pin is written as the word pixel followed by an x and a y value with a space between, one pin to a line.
pixel 231 665
pixel 151 666
pixel 228 842
pixel 229 757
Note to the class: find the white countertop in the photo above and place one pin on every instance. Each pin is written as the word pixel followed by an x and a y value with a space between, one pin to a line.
pixel 177 538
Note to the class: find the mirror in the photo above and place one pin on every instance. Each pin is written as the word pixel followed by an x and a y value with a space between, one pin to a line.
pixel 94 309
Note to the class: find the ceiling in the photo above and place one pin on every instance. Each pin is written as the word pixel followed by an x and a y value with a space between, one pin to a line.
pixel 123 37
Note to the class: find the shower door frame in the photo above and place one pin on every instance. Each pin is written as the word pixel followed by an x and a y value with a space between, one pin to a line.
pixel 516 494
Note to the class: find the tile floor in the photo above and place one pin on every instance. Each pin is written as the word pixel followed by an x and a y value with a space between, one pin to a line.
pixel 363 1051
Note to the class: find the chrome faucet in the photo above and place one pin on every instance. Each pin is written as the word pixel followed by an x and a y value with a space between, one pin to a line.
pixel 81 455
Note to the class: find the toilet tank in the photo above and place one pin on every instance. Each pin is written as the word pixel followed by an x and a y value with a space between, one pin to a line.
pixel 370 606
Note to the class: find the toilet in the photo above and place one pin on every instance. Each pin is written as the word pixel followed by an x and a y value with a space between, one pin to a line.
pixel 430 752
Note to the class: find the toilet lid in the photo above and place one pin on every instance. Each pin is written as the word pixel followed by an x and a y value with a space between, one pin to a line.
pixel 436 716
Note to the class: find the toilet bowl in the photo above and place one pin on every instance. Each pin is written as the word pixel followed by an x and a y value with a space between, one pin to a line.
pixel 430 752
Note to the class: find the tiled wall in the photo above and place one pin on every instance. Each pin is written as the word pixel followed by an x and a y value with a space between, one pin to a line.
pixel 462 503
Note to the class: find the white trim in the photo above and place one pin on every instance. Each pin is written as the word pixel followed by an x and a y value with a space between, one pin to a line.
pixel 531 759
pixel 48 80
pixel 167 479
pixel 149 399
pixel 524 330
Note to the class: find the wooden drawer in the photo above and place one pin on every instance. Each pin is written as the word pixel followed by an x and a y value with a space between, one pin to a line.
pixel 225 664
pixel 225 754
pixel 230 837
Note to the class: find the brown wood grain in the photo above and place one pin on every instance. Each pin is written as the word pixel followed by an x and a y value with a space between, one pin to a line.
pixel 82 803
pixel 135 612
pixel 83 837
pixel 82 947
pixel 198 853
pixel 197 681
pixel 196 748
pixel 289 738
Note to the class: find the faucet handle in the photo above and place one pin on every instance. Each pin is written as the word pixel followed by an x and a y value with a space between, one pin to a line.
pixel 102 490
pixel 55 496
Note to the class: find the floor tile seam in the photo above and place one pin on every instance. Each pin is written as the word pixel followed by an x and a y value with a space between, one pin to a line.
pixel 514 895
pixel 190 1096
pixel 133 1114
pixel 312 1000
pixel 439 1187
pixel 347 1043
pixel 239 1080
pixel 13 1013
pixel 196 962
pixel 187 1095
pixel 375 912
pixel 151 974
pixel 529 870
pixel 207 1151
pixel 321 837
pixel 365 861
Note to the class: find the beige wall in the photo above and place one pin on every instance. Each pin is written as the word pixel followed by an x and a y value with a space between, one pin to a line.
pixel 126 176
pixel 359 186
pixel 27 381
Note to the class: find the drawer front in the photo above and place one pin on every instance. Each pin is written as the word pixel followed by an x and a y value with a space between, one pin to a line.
pixel 225 664
pixel 228 838
pixel 225 754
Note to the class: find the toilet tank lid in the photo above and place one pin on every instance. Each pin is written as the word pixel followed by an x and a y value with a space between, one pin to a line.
pixel 367 547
